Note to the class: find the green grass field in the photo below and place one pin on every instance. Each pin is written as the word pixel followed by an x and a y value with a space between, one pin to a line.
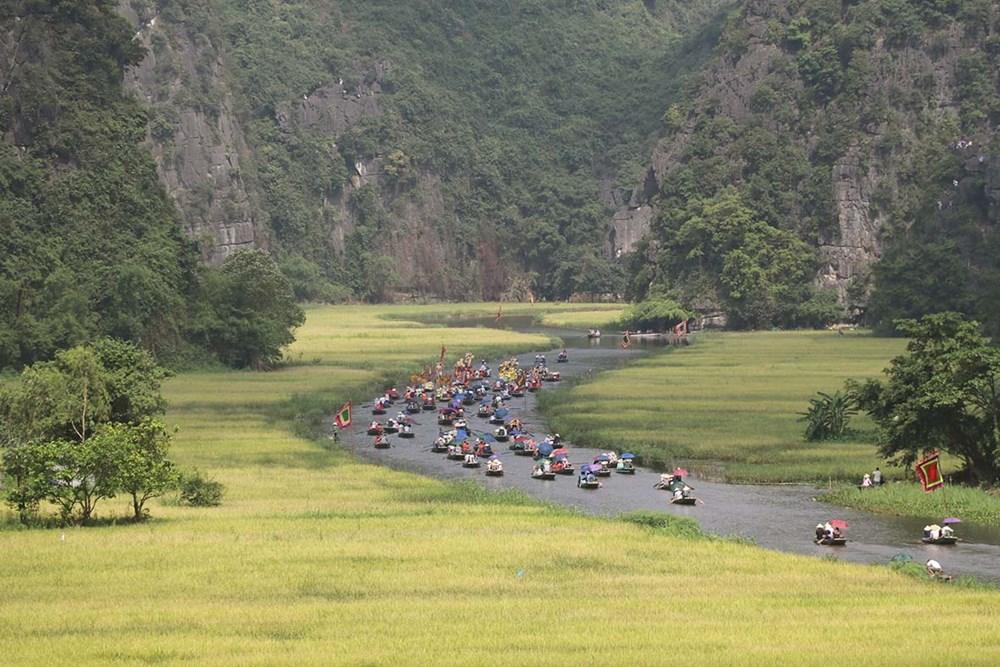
pixel 315 558
pixel 727 405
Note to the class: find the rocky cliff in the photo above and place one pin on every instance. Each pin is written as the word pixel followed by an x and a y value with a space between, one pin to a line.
pixel 411 148
pixel 195 135
pixel 844 122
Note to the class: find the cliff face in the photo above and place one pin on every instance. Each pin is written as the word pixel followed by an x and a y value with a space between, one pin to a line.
pixel 195 136
pixel 420 147
pixel 861 102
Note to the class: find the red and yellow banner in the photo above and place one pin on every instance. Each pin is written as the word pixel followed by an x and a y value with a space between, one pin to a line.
pixel 929 471
pixel 343 418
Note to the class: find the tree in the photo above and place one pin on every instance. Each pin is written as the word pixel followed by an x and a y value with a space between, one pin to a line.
pixel 72 475
pixel 943 393
pixel 143 469
pixel 252 311
pixel 68 397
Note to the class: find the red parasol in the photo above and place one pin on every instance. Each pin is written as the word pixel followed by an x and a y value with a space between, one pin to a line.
pixel 680 472
pixel 838 523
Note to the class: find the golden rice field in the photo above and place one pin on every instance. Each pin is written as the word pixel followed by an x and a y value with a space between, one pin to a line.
pixel 317 559
pixel 728 404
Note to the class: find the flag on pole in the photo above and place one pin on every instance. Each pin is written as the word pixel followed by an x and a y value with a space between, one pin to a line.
pixel 929 471
pixel 441 358
pixel 343 418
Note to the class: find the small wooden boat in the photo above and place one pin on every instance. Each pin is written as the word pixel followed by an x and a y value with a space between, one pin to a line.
pixel 626 469
pixel 375 429
pixel 594 333
pixel 684 500
pixel 494 469
pixel 429 404
pixel 832 541
pixel 501 434
pixel 439 447
pixel 944 540
pixel 588 483
pixel 541 474
pixel 552 376
pixel 381 443
pixel 470 463
pixel 562 358
pixel 455 454
pixel 517 392
pixel 413 407
pixel 378 410
pixel 407 432
pixel 391 426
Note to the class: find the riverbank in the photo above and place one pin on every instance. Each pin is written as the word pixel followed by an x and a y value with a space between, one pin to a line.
pixel 728 406
pixel 315 557
pixel 907 499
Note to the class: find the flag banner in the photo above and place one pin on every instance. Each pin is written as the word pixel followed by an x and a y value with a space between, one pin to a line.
pixel 499 313
pixel 343 418
pixel 929 471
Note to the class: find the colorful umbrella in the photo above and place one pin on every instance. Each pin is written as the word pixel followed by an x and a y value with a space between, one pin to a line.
pixel 601 457
pixel 838 523
pixel 561 451
pixel 501 412
pixel 544 449
pixel 494 457
pixel 627 455
pixel 680 472
pixel 951 519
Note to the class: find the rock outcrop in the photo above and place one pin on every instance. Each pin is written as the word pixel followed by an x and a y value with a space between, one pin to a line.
pixel 198 144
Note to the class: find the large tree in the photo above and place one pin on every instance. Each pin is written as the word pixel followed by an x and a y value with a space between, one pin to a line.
pixel 944 393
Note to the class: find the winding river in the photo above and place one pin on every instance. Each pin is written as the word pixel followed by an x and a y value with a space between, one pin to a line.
pixel 776 517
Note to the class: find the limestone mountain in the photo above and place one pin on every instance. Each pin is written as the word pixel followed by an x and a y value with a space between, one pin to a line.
pixel 862 131
pixel 425 147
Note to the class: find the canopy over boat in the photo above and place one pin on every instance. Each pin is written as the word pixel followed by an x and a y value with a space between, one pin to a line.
pixel 501 412
pixel 602 458
pixel 627 456
pixel 545 449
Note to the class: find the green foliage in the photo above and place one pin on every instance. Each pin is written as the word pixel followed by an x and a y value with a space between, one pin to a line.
pixel 655 313
pixel 943 393
pixel 198 490
pixel 839 74
pixel 505 117
pixel 828 415
pixel 252 311
pixel 140 453
pixel 70 396
pixel 718 245
pixel 89 242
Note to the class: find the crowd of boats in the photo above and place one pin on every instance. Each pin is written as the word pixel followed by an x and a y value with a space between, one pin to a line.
pixel 479 393
pixel 489 395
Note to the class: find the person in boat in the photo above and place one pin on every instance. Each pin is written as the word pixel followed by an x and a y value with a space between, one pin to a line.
pixel 827 530
pixel 820 532
pixel 866 481
pixel 380 440
pixel 947 531
pixel 934 531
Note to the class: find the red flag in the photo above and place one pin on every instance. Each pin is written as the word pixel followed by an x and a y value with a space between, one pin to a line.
pixel 343 418
pixel 929 471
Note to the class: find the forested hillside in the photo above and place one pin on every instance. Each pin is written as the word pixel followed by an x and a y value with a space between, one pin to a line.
pixel 89 243
pixel 451 149
pixel 853 141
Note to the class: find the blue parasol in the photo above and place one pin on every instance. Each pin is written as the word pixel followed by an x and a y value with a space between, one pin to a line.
pixel 602 457
pixel 488 437
pixel 501 412
pixel 627 455
pixel 544 449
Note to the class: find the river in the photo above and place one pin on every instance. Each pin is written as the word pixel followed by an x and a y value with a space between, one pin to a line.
pixel 776 517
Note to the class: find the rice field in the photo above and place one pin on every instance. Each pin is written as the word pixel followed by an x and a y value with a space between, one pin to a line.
pixel 728 405
pixel 584 319
pixel 903 499
pixel 315 558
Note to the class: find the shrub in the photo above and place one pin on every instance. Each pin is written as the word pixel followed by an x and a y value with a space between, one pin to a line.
pixel 828 415
pixel 200 491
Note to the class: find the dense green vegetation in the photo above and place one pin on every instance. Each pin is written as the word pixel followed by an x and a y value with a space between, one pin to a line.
pixel 90 246
pixel 513 112
pixel 870 83
pixel 944 393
